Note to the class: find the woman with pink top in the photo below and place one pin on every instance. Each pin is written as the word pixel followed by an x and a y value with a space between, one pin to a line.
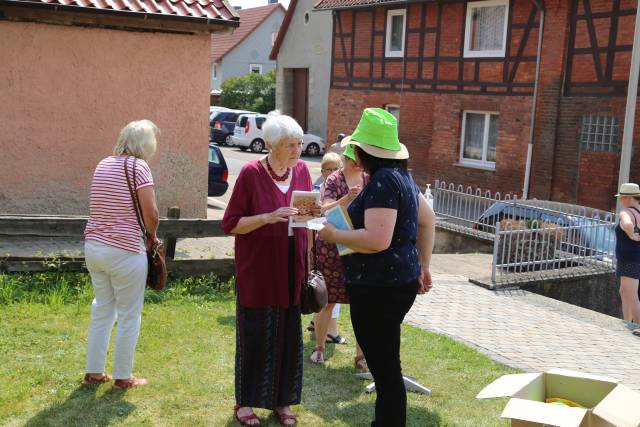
pixel 115 252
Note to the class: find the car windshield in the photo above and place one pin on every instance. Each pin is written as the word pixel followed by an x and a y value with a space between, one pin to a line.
pixel 213 156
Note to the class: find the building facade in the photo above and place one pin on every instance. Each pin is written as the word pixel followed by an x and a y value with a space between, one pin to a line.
pixel 73 76
pixel 246 49
pixel 303 54
pixel 461 76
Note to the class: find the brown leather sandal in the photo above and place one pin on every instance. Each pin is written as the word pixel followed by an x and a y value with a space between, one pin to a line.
pixel 91 379
pixel 361 364
pixel 130 383
pixel 320 359
pixel 244 420
pixel 283 418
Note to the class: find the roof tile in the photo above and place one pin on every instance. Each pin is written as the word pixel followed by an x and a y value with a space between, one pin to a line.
pixel 206 9
pixel 345 4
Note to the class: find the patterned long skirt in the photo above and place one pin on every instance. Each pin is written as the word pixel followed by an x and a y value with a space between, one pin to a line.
pixel 269 354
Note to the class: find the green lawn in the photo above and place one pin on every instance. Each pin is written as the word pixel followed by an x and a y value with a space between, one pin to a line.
pixel 186 349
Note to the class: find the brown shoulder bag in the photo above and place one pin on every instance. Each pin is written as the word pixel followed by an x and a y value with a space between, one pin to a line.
pixel 157 273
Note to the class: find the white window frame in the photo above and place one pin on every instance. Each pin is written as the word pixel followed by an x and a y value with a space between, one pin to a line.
pixel 468 53
pixel 484 163
pixel 387 44
pixel 394 106
pixel 258 66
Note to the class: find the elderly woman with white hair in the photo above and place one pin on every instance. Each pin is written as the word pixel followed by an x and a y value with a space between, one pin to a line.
pixel 115 251
pixel 270 269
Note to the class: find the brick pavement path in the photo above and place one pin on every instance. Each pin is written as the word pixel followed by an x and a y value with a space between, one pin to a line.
pixel 528 331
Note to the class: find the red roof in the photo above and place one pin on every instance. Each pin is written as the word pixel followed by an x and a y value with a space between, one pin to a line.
pixel 283 30
pixel 250 19
pixel 348 4
pixel 218 10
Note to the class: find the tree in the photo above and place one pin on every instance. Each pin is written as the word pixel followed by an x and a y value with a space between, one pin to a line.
pixel 253 92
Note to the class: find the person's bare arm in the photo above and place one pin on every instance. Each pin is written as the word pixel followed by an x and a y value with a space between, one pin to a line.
pixel 627 225
pixel 150 216
pixel 344 200
pixel 247 224
pixel 425 241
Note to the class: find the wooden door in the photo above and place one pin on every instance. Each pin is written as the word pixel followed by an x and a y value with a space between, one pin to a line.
pixel 301 96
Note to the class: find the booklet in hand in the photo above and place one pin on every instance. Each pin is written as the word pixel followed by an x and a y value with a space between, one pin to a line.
pixel 339 218
pixel 304 201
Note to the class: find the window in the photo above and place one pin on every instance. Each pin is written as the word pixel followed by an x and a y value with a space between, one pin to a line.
pixel 396 20
pixel 306 18
pixel 260 121
pixel 213 156
pixel 255 68
pixel 486 28
pixel 393 109
pixel 274 36
pixel 599 133
pixel 215 72
pixel 479 137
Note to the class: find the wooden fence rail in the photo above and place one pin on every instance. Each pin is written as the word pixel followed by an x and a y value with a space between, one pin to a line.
pixel 73 227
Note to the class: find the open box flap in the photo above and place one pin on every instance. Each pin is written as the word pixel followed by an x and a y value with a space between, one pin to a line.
pixel 507 385
pixel 543 413
pixel 621 407
pixel 569 373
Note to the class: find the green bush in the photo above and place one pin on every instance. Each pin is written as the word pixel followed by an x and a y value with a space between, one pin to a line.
pixel 253 92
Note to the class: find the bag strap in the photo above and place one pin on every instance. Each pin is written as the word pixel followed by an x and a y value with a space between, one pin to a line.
pixel 635 221
pixel 134 197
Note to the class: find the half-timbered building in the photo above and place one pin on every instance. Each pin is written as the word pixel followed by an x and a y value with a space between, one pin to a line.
pixel 520 96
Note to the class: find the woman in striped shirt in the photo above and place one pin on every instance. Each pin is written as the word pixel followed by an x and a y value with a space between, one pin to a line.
pixel 115 252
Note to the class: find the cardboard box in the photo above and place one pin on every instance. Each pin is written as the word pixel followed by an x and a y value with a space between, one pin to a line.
pixel 607 403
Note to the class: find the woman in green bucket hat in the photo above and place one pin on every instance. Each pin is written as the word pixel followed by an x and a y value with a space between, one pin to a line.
pixel 393 236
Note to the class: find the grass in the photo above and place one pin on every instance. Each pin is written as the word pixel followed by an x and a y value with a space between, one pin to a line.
pixel 186 349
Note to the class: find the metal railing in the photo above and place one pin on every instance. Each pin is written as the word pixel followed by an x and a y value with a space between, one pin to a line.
pixel 525 251
pixel 532 239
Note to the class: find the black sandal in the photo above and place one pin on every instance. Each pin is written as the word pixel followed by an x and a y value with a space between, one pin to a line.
pixel 337 339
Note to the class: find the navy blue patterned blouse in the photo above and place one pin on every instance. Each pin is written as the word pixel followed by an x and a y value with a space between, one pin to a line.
pixel 399 264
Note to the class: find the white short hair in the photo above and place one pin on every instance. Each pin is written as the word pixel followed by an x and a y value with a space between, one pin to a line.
pixel 331 158
pixel 278 127
pixel 137 139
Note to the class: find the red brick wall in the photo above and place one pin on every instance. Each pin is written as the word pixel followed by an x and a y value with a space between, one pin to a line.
pixel 430 122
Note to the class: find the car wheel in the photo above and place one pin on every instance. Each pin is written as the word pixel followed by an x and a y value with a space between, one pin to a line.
pixel 313 149
pixel 257 146
pixel 228 142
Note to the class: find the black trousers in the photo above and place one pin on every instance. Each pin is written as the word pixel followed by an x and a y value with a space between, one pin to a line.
pixel 376 315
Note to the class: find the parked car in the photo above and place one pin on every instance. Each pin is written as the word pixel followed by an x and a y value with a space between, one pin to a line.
pixel 222 125
pixel 591 238
pixel 218 172
pixel 248 135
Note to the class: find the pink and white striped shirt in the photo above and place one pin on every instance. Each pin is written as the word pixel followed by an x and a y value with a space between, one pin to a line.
pixel 112 218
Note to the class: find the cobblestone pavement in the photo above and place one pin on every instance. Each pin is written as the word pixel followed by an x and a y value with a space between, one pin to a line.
pixel 526 330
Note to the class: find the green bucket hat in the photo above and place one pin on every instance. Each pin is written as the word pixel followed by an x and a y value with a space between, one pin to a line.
pixel 377 135
pixel 348 152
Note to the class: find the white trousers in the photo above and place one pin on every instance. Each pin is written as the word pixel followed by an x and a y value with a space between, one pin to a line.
pixel 336 311
pixel 118 279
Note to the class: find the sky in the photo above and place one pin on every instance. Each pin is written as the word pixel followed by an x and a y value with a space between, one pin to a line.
pixel 254 3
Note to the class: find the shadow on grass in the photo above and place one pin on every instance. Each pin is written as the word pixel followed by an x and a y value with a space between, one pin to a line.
pixel 84 407
pixel 229 320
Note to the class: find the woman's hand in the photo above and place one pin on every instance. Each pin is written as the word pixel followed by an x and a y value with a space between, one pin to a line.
pixel 152 242
pixel 280 215
pixel 328 233
pixel 425 281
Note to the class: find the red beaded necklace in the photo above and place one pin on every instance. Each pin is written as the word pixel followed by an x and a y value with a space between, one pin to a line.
pixel 274 175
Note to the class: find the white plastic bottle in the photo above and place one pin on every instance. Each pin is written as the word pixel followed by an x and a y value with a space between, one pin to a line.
pixel 428 195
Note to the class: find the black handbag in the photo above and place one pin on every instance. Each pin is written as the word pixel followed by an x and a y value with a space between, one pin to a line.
pixel 313 296
pixel 157 272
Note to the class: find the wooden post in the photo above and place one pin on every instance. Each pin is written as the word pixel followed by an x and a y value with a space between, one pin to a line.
pixel 170 241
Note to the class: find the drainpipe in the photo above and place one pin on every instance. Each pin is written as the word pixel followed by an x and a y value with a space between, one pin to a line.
pixel 630 113
pixel 527 172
